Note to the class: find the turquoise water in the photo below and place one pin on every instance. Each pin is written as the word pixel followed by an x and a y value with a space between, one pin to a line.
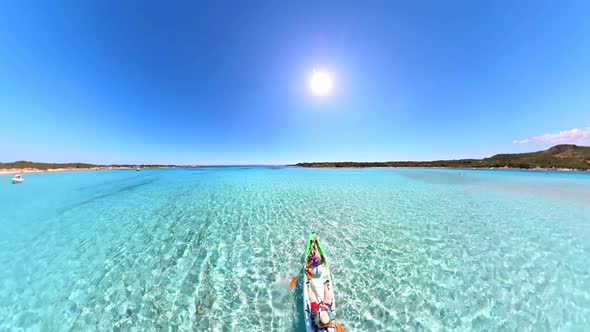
pixel 215 248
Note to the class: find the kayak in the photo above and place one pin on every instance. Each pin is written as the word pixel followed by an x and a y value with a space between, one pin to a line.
pixel 317 282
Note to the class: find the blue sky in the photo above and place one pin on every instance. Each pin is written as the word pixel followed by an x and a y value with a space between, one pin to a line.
pixel 228 82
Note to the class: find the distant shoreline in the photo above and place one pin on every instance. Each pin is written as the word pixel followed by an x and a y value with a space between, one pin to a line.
pixel 563 157
pixel 452 167
pixel 11 171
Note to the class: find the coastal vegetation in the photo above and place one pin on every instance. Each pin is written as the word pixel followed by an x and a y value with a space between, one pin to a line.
pixel 49 166
pixel 564 156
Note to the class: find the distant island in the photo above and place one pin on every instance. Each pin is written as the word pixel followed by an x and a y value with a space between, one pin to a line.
pixel 564 156
pixel 29 166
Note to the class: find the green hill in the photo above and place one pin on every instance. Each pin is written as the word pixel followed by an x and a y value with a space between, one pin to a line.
pixel 560 156
pixel 43 166
pixel 46 166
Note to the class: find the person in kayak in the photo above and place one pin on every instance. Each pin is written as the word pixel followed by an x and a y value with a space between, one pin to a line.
pixel 321 312
pixel 314 262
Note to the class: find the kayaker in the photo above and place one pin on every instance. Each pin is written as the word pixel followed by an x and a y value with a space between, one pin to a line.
pixel 321 312
pixel 315 262
pixel 314 256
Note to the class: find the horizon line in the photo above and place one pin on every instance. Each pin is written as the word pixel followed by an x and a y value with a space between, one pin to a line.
pixel 265 164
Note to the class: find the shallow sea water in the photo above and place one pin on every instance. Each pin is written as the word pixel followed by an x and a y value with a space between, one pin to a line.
pixel 214 248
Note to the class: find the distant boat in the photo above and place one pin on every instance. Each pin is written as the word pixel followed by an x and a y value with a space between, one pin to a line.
pixel 17 179
pixel 138 169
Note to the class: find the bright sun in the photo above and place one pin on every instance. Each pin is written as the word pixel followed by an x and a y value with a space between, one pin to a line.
pixel 321 83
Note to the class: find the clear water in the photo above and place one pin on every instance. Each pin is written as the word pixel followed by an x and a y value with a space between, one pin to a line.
pixel 215 248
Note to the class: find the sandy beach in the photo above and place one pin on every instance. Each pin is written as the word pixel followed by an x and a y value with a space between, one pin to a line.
pixel 12 171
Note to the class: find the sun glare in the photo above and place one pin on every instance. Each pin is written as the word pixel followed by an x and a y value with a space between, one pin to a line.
pixel 321 83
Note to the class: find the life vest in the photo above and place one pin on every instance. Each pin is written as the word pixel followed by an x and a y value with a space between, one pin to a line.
pixel 313 262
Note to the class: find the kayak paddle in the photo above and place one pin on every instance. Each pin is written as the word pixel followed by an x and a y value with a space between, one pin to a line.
pixel 292 283
pixel 339 328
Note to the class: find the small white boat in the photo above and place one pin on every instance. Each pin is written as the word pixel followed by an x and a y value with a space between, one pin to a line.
pixel 17 179
pixel 138 169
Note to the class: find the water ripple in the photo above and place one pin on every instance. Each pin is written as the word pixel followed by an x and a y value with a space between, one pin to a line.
pixel 410 250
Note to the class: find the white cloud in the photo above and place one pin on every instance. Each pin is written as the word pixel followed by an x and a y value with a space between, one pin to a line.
pixel 521 141
pixel 576 136
pixel 580 136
